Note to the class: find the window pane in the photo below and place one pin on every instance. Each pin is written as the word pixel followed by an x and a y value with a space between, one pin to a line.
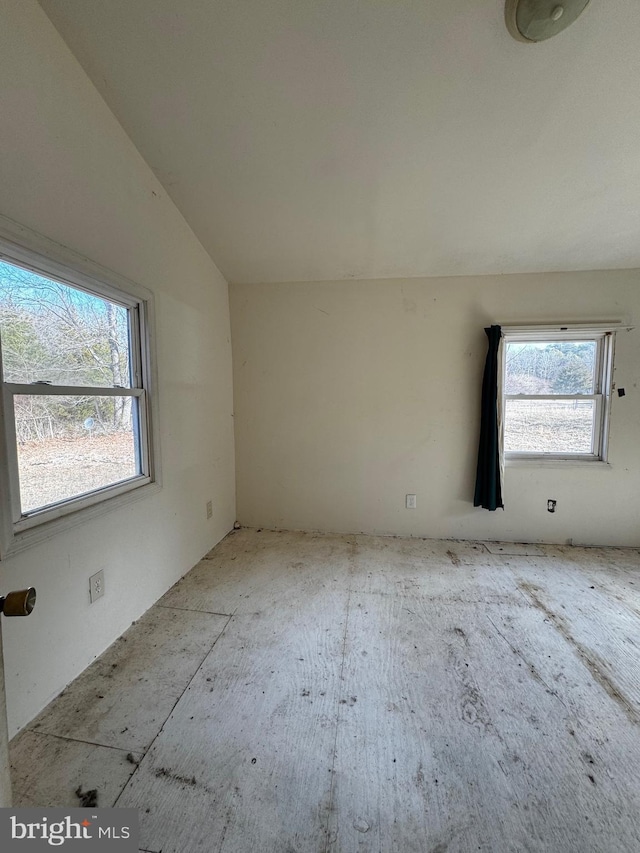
pixel 68 446
pixel 549 426
pixel 552 367
pixel 54 333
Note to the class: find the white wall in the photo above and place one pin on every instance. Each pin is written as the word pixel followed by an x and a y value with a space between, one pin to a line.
pixel 68 171
pixel 5 776
pixel 348 395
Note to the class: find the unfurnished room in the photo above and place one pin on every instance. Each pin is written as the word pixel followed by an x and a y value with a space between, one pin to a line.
pixel 320 426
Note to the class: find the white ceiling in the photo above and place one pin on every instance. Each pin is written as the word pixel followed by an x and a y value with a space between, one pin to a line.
pixel 330 139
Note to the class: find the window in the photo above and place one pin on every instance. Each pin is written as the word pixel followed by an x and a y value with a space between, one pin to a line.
pixel 557 386
pixel 75 368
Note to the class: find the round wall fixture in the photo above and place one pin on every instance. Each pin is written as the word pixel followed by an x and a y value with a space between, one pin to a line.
pixel 537 20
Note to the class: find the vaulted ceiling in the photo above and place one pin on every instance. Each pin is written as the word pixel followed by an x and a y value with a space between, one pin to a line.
pixel 331 139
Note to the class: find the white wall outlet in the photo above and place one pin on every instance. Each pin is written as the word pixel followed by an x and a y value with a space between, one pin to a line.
pixel 96 586
pixel 209 509
pixel 411 502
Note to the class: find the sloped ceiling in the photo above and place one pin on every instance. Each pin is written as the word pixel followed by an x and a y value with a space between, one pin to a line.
pixel 331 139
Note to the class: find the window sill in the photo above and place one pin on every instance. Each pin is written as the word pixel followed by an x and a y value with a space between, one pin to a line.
pixel 32 536
pixel 538 462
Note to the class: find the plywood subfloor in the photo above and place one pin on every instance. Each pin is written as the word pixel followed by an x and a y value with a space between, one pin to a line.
pixel 300 693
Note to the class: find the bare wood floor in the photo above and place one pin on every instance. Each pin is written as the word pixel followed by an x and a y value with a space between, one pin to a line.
pixel 302 693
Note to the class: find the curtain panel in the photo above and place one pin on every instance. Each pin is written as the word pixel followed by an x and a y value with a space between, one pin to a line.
pixel 489 474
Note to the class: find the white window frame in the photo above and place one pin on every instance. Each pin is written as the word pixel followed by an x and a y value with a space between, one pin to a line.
pixel 604 337
pixel 18 530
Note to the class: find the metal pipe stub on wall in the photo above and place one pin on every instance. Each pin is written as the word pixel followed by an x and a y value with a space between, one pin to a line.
pixel 538 20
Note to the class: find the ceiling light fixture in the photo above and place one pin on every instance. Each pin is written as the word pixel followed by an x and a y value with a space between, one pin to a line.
pixel 537 20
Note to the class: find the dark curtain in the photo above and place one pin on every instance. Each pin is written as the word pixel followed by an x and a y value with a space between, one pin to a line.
pixel 488 492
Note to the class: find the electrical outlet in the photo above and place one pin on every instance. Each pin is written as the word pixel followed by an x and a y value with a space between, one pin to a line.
pixel 96 586
pixel 411 502
pixel 209 509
